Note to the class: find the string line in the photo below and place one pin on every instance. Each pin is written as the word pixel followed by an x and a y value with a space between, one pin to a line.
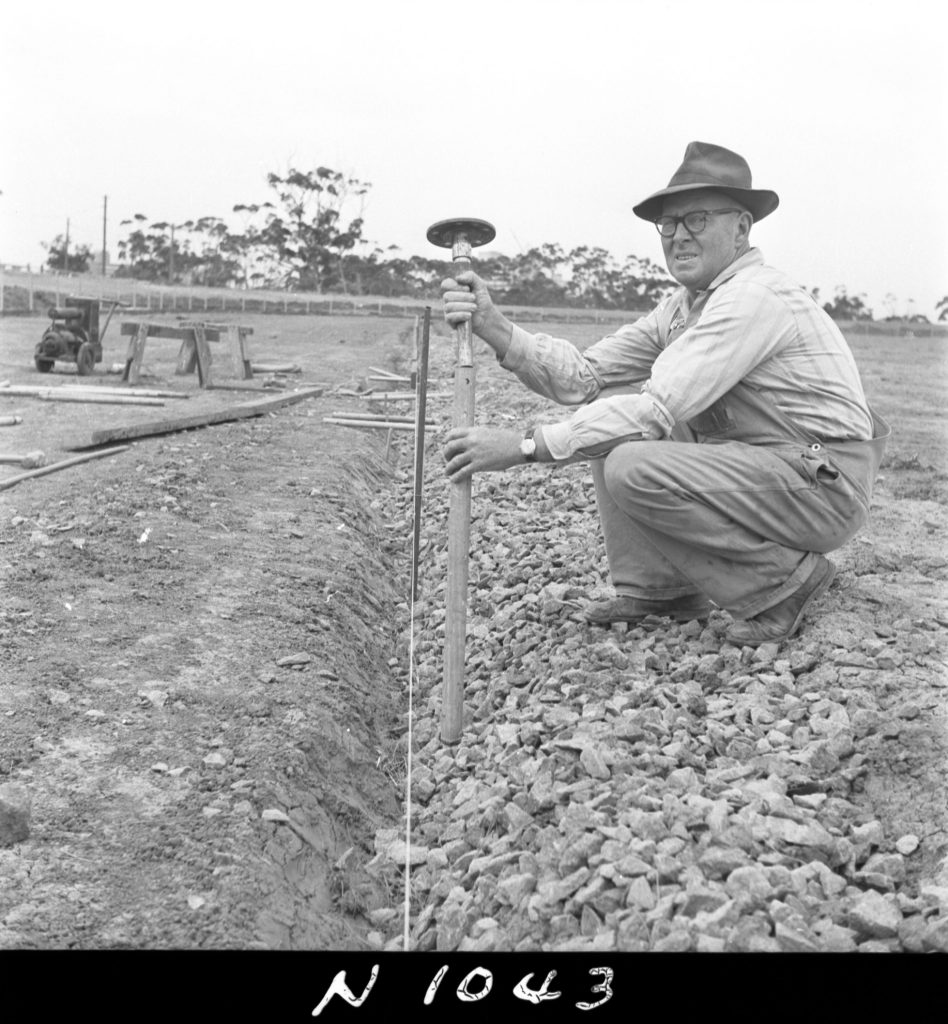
pixel 411 680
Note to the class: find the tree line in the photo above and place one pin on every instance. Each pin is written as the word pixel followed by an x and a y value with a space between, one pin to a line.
pixel 308 236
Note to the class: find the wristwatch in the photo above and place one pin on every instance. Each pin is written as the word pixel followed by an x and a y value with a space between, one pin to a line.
pixel 528 447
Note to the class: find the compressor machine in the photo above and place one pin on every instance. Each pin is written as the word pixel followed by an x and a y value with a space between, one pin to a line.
pixel 74 335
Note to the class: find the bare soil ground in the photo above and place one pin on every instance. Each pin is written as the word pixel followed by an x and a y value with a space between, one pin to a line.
pixel 149 603
pixel 203 638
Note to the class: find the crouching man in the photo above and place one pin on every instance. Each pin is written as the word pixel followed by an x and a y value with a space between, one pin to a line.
pixel 730 440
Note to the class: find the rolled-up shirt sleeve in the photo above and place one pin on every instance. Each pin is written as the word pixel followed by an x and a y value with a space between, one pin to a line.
pixel 752 324
pixel 551 367
pixel 597 428
pixel 557 369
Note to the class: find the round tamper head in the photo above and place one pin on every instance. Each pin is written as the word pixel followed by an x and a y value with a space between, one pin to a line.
pixel 477 232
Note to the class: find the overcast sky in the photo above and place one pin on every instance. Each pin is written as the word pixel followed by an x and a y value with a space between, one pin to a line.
pixel 549 118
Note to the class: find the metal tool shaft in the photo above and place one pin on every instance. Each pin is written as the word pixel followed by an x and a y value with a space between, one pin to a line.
pixel 459 535
pixel 460 236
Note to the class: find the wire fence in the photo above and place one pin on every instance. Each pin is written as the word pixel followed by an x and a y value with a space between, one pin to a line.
pixel 25 292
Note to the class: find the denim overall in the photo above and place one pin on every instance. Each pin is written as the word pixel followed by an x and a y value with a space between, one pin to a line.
pixel 738 513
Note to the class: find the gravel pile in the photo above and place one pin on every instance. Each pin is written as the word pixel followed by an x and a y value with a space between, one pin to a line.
pixel 650 788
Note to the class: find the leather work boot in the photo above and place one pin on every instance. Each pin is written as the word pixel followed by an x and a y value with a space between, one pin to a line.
pixel 774 625
pixel 635 609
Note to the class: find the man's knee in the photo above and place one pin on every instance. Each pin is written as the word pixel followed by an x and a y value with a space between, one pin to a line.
pixel 634 468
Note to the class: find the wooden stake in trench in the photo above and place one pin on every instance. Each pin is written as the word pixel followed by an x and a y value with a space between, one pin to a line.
pixel 460 236
pixel 421 389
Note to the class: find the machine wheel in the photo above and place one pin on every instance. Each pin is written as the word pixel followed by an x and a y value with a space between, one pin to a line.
pixel 43 365
pixel 85 360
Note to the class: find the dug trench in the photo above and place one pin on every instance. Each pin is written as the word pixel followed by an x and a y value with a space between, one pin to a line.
pixel 206 658
pixel 197 693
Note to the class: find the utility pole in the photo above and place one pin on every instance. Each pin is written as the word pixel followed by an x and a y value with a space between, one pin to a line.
pixel 105 208
pixel 171 258
pixel 66 250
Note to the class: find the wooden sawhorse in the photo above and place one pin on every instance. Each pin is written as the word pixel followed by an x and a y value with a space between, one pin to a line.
pixel 195 352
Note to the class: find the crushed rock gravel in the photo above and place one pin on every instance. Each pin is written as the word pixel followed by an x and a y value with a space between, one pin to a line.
pixel 648 788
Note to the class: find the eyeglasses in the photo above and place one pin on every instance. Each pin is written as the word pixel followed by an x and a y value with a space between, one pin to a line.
pixel 695 221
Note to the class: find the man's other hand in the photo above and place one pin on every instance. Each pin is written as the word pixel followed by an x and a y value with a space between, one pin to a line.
pixel 469 450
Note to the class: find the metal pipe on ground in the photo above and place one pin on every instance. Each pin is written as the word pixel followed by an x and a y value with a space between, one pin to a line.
pixel 31 460
pixel 56 466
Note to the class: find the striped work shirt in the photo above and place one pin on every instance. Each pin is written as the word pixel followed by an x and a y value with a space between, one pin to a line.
pixel 753 324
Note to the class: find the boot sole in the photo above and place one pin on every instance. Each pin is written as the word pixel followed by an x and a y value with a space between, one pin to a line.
pixel 818 591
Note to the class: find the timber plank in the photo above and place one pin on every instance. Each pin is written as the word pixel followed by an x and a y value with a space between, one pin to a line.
pixel 171 425
pixel 182 331
pixel 236 385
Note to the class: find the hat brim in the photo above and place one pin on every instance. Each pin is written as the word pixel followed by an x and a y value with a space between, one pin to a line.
pixel 759 201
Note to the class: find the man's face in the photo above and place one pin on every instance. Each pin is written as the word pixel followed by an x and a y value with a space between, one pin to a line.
pixel 696 260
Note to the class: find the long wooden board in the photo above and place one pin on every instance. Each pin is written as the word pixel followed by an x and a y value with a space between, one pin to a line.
pixel 111 396
pixel 118 389
pixel 171 425
pixel 182 330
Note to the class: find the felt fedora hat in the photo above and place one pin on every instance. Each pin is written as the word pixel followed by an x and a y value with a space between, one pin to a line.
pixel 709 166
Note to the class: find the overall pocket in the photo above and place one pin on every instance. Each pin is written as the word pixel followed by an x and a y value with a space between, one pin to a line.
pixel 715 421
pixel 816 465
pixel 810 461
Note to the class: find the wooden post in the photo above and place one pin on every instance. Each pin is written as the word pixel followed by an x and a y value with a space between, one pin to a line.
pixel 421 386
pixel 105 222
